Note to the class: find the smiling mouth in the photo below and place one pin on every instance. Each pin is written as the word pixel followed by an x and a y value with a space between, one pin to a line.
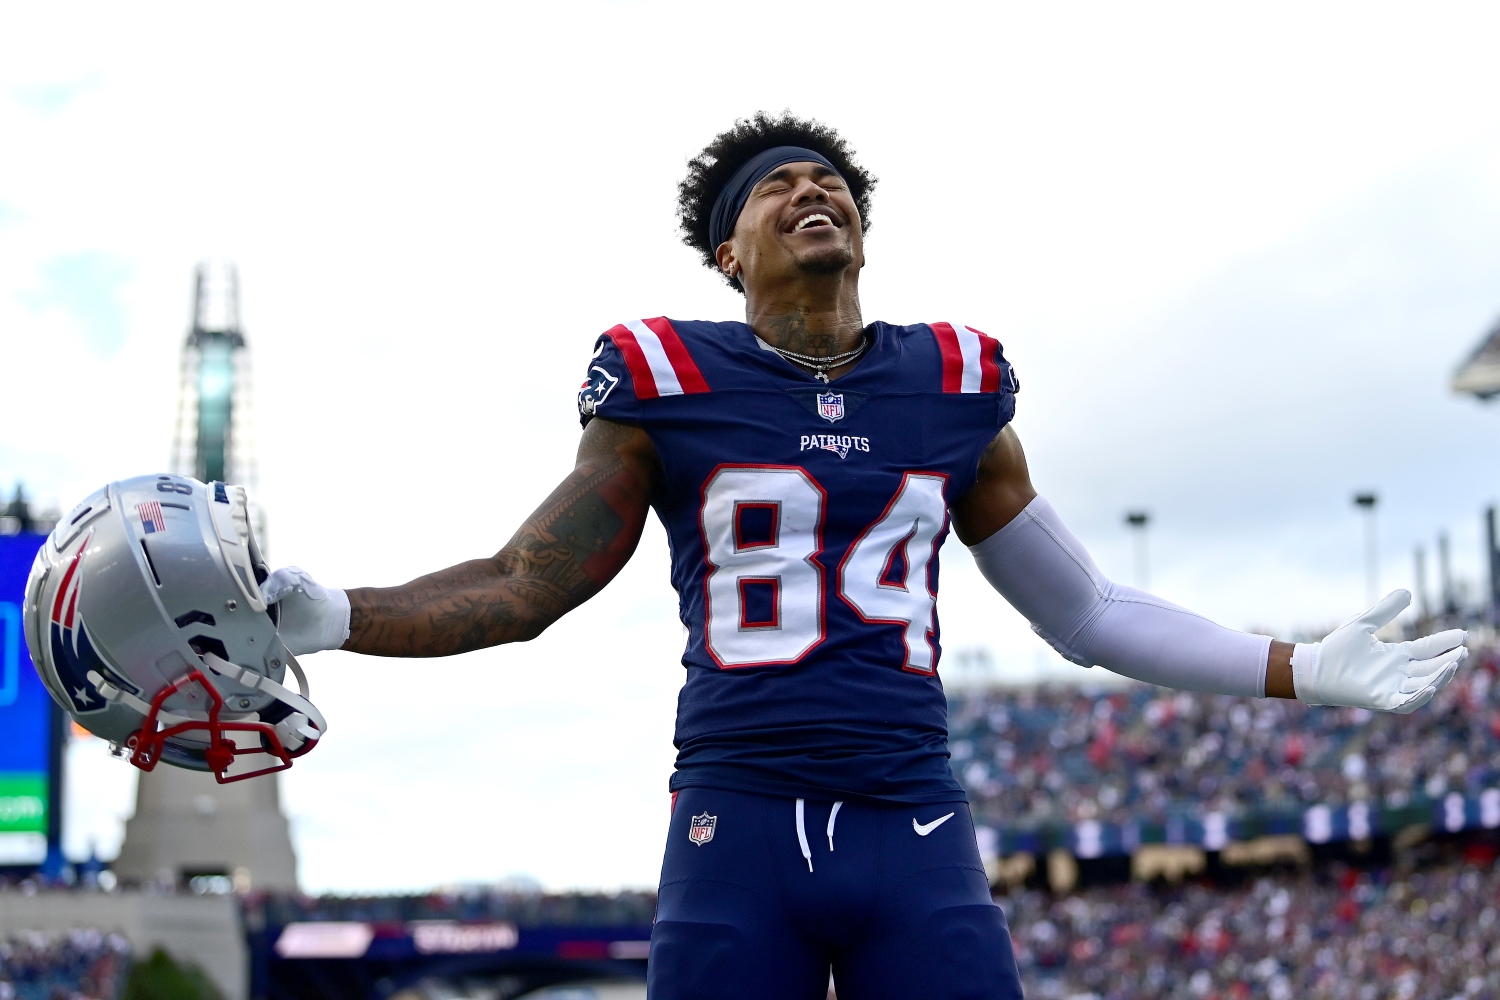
pixel 811 221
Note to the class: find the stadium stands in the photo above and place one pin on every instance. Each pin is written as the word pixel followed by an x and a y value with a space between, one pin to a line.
pixel 1058 772
pixel 77 965
pixel 1089 774
pixel 1359 936
pixel 1101 772
pixel 479 903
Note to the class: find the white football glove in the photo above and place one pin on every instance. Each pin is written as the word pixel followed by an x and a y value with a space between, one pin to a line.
pixel 1353 669
pixel 312 617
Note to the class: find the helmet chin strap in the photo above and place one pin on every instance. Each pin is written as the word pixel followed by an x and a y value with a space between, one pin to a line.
pixel 116 696
pixel 299 703
pixel 298 732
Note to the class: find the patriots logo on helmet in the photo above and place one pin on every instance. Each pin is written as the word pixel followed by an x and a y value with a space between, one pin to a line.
pixel 105 615
pixel 73 652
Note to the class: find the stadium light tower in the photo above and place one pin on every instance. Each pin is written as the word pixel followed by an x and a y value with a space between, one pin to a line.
pixel 1366 502
pixel 214 439
pixel 1479 376
pixel 187 827
pixel 1138 520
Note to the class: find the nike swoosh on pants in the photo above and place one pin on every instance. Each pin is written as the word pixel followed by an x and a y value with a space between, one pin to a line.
pixel 924 829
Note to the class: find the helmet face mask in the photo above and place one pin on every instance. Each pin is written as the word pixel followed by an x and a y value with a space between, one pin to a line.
pixel 146 622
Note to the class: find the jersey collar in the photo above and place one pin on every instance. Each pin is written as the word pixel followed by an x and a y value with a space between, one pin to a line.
pixel 868 373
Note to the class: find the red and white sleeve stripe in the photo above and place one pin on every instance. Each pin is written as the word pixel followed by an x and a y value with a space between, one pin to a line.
pixel 659 362
pixel 969 358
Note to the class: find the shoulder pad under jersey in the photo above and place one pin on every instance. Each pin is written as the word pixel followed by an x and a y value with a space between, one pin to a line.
pixel 637 361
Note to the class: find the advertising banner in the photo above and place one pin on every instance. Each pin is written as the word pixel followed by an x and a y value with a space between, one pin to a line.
pixel 25 717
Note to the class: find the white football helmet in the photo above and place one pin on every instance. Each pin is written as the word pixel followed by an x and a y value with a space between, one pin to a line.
pixel 145 619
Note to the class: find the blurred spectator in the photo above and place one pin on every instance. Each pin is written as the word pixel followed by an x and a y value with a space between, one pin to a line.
pixel 1358 937
pixel 77 965
pixel 1062 755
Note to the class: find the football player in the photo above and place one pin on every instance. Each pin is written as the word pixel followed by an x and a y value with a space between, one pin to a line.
pixel 807 464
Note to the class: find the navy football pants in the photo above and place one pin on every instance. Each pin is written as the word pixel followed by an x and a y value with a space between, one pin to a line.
pixel 893 912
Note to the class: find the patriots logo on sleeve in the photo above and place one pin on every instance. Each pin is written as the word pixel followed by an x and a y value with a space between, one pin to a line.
pixel 595 390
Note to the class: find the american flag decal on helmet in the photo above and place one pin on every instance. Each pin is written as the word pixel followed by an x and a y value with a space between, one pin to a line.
pixel 151 517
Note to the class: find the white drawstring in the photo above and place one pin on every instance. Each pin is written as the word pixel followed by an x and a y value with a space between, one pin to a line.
pixel 802 834
pixel 802 828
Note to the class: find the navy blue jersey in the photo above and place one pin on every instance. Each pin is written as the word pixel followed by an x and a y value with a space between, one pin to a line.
pixel 805 521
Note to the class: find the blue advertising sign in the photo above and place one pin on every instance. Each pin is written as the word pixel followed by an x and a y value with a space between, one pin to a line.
pixel 25 716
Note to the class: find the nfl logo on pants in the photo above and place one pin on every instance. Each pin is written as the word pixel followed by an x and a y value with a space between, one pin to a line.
pixel 701 831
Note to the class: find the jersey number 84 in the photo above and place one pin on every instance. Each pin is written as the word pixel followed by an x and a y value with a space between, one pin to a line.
pixel 765 587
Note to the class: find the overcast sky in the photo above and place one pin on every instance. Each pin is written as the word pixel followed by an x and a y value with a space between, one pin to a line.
pixel 1235 253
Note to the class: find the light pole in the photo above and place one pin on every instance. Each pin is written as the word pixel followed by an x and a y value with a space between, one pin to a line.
pixel 1424 607
pixel 1138 520
pixel 1445 570
pixel 1366 501
pixel 1492 560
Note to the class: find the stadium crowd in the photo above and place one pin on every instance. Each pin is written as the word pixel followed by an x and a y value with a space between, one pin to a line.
pixel 477 903
pixel 1064 755
pixel 79 965
pixel 1432 935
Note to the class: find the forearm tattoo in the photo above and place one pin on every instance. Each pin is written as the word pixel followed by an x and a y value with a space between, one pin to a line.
pixel 565 553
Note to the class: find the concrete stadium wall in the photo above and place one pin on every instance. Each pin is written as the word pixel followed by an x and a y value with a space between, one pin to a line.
pixel 203 930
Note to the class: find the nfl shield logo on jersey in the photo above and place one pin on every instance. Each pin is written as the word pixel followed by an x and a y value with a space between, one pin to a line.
pixel 702 829
pixel 831 406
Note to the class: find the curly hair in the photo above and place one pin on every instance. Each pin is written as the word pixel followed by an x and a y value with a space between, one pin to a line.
pixel 711 169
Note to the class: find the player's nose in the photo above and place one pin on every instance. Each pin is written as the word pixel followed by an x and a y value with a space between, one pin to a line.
pixel 809 190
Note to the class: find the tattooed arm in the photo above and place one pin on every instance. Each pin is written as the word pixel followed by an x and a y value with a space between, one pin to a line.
pixel 565 553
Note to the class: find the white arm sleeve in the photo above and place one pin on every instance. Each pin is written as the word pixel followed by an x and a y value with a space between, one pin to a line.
pixel 1044 572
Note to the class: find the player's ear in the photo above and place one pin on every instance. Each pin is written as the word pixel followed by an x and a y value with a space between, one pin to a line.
pixel 727 261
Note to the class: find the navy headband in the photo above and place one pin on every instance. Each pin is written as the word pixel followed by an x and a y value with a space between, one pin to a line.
pixel 732 197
